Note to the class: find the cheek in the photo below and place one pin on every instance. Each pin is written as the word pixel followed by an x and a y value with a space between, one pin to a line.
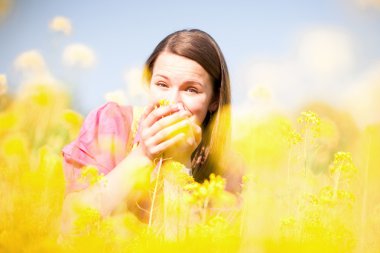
pixel 197 107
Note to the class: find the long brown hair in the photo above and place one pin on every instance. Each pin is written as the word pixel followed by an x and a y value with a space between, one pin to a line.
pixel 199 46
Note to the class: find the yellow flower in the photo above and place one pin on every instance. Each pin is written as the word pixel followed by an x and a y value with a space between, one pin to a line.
pixel 3 84
pixel 88 220
pixel 5 8
pixel 164 102
pixel 343 165
pixel 61 24
pixel 41 95
pixel 175 172
pixel 8 121
pixel 72 118
pixel 30 61
pixel 90 174
pixel 15 145
pixel 310 120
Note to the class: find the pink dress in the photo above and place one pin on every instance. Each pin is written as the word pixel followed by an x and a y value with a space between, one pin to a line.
pixel 106 137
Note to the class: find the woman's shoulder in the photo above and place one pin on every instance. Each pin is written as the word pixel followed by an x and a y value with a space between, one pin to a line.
pixel 112 109
pixel 114 118
pixel 115 110
pixel 106 135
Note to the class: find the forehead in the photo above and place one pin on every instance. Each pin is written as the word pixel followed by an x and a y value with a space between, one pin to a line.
pixel 172 64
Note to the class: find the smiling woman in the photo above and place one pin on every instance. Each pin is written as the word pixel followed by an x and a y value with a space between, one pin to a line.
pixel 188 69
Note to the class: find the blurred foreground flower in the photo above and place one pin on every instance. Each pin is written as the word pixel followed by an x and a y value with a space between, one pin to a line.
pixel 117 96
pixel 3 84
pixel 61 24
pixel 79 55
pixel 30 60
pixel 5 6
pixel 368 4
pixel 135 86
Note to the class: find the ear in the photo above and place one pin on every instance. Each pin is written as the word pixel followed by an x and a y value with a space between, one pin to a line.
pixel 213 105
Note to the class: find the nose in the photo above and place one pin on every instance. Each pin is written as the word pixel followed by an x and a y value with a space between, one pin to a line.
pixel 175 96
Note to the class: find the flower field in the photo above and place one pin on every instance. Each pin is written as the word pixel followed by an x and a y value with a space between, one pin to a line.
pixel 310 184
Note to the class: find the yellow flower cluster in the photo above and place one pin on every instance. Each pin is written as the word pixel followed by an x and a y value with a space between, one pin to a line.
pixel 61 24
pixel 310 120
pixel 90 175
pixel 202 193
pixel 343 164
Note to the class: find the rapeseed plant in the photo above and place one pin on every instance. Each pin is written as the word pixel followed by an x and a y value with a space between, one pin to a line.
pixel 300 192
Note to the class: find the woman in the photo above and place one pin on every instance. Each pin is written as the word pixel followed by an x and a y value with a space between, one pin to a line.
pixel 188 69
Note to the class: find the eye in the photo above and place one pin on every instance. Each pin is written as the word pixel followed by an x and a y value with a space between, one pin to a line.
pixel 161 84
pixel 192 90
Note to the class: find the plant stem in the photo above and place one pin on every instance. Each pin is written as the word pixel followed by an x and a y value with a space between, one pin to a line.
pixel 155 193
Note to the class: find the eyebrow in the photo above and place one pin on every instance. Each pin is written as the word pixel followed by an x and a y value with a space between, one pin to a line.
pixel 186 82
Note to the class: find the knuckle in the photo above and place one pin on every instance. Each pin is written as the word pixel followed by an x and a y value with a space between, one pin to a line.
pixel 144 134
pixel 164 133
pixel 154 114
pixel 159 124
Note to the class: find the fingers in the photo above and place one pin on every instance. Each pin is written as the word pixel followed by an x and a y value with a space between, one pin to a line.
pixel 170 131
pixel 196 131
pixel 154 115
pixel 160 148
pixel 166 122
pixel 147 110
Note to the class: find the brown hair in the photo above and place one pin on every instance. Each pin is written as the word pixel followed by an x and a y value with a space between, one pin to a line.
pixel 199 46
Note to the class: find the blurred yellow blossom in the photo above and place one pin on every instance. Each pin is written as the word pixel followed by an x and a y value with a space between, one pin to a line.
pixel 79 55
pixel 117 96
pixel 201 194
pixel 61 24
pixel 176 173
pixel 90 174
pixel 5 6
pixel 310 120
pixel 343 165
pixel 15 145
pixel 134 80
pixel 30 61
pixel 279 208
pixel 8 121
pixel 3 84
pixel 368 4
pixel 72 118
pixel 260 93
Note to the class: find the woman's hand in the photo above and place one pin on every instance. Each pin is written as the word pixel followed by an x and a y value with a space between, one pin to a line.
pixel 169 131
pixel 191 137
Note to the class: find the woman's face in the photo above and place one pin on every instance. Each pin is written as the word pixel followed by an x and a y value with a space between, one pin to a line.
pixel 181 80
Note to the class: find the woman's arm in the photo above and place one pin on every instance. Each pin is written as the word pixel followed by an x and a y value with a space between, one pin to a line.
pixel 106 197
pixel 160 131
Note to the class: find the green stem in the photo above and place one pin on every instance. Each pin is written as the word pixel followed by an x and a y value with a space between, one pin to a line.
pixel 364 200
pixel 155 193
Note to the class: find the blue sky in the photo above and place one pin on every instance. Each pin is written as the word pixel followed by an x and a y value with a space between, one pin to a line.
pixel 123 33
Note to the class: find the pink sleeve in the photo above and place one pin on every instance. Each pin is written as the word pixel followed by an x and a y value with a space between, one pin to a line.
pixel 103 141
